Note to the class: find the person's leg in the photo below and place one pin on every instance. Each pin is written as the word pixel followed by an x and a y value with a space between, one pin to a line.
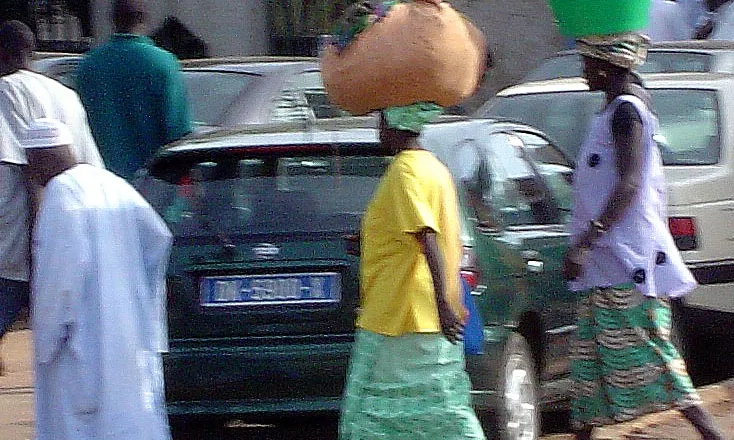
pixel 590 403
pixel 584 433
pixel 13 297
pixel 679 383
pixel 703 422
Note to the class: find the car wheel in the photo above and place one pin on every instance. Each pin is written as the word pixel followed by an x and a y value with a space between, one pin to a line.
pixel 518 417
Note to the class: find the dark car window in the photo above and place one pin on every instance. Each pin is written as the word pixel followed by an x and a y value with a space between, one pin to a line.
pixel 467 162
pixel 65 73
pixel 554 168
pixel 61 69
pixel 517 191
pixel 304 97
pixel 265 194
pixel 563 116
pixel 212 93
pixel 571 65
pixel 563 66
pixel 689 122
pixel 508 179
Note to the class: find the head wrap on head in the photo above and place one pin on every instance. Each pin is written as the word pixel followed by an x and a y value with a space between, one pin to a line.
pixel 46 133
pixel 412 117
pixel 628 50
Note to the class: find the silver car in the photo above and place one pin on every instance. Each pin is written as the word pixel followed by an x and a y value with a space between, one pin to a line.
pixel 664 57
pixel 233 91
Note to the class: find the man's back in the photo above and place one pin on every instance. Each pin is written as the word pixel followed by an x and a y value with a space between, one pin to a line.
pixel 26 96
pixel 136 100
pixel 99 307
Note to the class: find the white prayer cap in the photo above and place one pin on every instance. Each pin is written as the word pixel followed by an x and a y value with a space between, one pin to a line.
pixel 47 133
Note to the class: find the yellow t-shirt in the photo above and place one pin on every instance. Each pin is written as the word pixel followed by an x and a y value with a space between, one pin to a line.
pixel 396 287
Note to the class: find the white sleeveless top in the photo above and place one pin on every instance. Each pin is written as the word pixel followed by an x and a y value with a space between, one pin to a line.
pixel 638 249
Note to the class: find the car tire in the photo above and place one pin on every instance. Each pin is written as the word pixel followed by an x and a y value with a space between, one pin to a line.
pixel 518 417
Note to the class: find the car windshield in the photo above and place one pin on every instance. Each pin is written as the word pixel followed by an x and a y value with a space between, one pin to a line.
pixel 571 65
pixel 688 120
pixel 212 93
pixel 264 194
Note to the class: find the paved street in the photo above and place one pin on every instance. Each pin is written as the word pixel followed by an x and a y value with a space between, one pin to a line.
pixel 16 415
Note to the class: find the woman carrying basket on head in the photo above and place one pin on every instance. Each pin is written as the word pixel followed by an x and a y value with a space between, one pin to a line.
pixel 406 376
pixel 623 260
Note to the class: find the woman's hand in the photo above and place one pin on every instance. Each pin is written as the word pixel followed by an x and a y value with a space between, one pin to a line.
pixel 451 327
pixel 573 262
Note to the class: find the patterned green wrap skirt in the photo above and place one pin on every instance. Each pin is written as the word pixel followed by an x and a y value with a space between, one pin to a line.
pixel 407 387
pixel 623 364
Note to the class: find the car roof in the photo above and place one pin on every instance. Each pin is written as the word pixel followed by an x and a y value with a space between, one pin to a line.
pixel 43 55
pixel 694 45
pixel 677 46
pixel 355 129
pixel 257 68
pixel 258 65
pixel 201 62
pixel 653 80
pixel 342 130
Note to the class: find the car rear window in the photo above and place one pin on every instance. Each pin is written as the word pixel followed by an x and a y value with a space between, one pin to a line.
pixel 212 93
pixel 265 194
pixel 689 123
pixel 571 65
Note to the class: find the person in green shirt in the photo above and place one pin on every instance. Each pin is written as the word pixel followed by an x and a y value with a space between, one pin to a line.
pixel 133 92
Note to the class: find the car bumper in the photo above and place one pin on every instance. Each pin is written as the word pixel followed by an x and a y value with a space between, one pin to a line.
pixel 226 379
pixel 716 288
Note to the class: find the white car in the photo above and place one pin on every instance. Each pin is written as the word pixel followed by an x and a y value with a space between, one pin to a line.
pixel 696 138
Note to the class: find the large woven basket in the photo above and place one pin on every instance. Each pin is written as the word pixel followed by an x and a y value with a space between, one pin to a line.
pixel 578 18
pixel 421 51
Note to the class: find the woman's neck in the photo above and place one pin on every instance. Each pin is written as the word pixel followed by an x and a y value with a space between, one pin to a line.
pixel 618 86
pixel 410 144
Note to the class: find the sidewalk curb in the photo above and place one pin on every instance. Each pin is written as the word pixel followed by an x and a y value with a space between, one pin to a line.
pixel 712 395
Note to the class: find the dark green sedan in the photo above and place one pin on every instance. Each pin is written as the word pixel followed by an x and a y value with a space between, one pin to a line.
pixel 263 279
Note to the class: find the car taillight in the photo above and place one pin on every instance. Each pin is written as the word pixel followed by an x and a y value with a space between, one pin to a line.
pixel 469 270
pixel 683 230
pixel 185 187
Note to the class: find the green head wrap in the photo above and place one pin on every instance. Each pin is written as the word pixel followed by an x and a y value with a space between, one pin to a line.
pixel 412 117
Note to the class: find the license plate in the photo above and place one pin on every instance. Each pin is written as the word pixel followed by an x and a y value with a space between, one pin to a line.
pixel 246 290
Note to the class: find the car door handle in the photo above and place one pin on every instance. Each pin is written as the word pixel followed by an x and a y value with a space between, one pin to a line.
pixel 534 266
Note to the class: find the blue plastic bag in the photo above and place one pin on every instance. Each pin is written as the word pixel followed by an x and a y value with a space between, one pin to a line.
pixel 473 328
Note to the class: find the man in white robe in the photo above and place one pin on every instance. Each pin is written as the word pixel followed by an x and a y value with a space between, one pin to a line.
pixel 100 254
pixel 24 97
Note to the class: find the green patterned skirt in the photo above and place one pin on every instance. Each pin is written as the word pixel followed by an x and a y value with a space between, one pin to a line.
pixel 623 364
pixel 408 387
